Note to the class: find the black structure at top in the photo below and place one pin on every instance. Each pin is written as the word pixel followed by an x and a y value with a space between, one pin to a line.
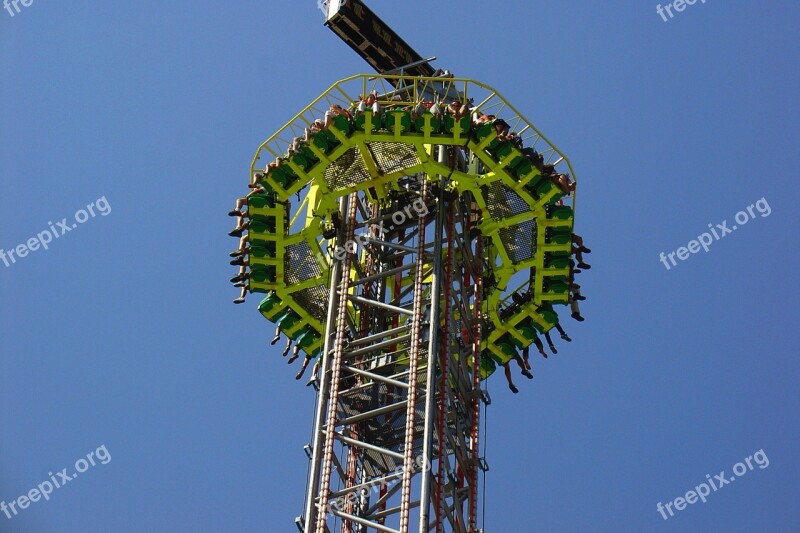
pixel 373 39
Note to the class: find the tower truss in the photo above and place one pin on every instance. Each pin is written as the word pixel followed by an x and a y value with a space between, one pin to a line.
pixel 424 249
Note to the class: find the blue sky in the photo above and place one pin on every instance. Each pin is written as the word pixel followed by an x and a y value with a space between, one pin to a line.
pixel 122 333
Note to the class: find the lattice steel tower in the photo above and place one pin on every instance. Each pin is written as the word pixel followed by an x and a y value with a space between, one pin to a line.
pixel 426 245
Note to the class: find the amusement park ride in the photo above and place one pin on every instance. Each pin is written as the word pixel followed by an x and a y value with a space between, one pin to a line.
pixel 411 231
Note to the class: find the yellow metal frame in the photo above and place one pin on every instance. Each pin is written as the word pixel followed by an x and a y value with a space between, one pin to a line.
pixel 321 199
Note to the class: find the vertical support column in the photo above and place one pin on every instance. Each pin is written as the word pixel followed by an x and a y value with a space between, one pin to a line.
pixel 433 351
pixel 311 510
pixel 476 402
pixel 338 349
pixel 336 364
pixel 444 362
pixel 408 446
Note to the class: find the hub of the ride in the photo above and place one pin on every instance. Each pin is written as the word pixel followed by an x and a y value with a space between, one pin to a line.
pixel 508 179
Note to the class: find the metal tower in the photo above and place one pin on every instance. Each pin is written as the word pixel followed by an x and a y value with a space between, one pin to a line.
pixel 399 393
pixel 426 244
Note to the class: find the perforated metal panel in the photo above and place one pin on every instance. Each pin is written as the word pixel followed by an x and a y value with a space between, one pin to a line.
pixel 300 264
pixel 346 171
pixel 519 240
pixel 314 300
pixel 503 202
pixel 393 157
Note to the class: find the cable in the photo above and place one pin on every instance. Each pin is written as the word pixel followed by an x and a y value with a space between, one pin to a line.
pixel 485 442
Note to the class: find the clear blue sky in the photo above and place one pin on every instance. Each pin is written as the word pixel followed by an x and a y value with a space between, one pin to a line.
pixel 122 333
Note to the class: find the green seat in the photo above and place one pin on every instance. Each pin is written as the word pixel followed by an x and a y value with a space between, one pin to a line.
pixel 487 365
pixel 450 123
pixel 261 180
pixel 528 328
pixel 483 131
pixel 555 284
pixel 262 226
pixel 306 337
pixel 521 166
pixel 261 201
pixel 509 345
pixel 361 120
pixel 435 123
pixel 304 158
pixel 548 315
pixel 263 273
pixel 342 124
pixel 283 175
pixel 286 319
pixel 558 235
pixel 559 212
pixel 269 305
pixel 321 141
pixel 541 187
pixel 556 259
pixel 493 145
pixel 254 286
pixel 500 149
pixel 548 190
pixel 333 142
pixel 398 119
pixel 497 359
pixel 263 250
pixel 325 141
